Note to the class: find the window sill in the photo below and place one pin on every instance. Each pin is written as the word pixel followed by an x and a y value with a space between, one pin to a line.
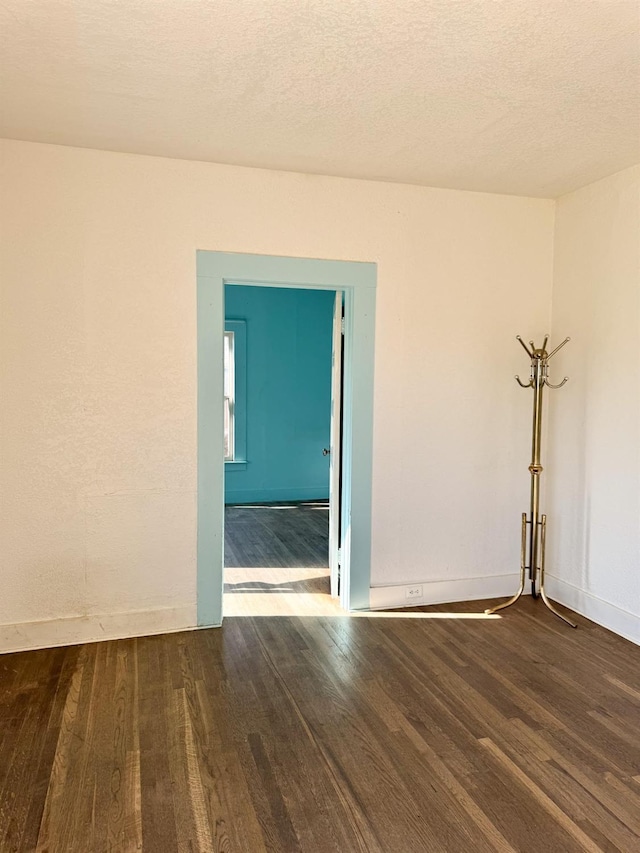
pixel 236 464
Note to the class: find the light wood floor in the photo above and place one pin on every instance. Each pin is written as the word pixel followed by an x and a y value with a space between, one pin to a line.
pixel 426 732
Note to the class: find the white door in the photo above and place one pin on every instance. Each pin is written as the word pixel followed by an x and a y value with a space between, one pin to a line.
pixel 335 457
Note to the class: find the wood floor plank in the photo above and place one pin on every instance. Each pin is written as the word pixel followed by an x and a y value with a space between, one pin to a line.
pixel 159 813
pixel 562 820
pixel 66 796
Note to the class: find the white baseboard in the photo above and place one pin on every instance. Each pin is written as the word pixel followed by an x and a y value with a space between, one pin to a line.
pixel 89 629
pixel 602 612
pixel 24 636
pixel 444 592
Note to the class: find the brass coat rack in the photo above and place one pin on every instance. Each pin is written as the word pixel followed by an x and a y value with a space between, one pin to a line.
pixel 537 524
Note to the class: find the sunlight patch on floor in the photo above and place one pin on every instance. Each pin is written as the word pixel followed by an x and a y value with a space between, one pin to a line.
pixel 259 591
pixel 278 591
pixel 280 604
pixel 418 614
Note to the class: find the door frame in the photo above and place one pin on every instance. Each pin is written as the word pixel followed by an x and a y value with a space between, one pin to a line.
pixel 357 280
pixel 335 448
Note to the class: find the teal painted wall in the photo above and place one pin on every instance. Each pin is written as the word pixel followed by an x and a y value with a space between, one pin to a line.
pixel 287 366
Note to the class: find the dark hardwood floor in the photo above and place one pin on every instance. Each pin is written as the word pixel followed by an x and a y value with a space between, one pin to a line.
pixel 284 535
pixel 377 734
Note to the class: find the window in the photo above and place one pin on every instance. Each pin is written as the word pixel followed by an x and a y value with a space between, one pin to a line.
pixel 229 396
pixel 235 394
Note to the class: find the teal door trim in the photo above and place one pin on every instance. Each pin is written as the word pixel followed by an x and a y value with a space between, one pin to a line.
pixel 357 281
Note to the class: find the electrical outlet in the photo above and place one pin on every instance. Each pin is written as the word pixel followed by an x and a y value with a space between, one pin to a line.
pixel 414 591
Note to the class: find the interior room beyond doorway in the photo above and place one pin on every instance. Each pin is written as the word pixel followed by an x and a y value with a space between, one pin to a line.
pixel 278 375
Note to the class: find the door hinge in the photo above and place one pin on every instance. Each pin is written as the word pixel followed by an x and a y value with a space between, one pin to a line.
pixel 339 556
pixel 342 325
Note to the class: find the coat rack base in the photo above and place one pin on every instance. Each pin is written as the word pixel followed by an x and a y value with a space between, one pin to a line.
pixel 538 574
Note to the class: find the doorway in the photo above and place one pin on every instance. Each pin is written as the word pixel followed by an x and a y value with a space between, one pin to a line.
pixel 282 378
pixel 357 282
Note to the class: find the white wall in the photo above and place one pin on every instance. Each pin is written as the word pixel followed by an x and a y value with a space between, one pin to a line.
pixel 98 417
pixel 594 463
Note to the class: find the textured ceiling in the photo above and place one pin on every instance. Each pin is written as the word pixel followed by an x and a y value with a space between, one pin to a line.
pixel 512 96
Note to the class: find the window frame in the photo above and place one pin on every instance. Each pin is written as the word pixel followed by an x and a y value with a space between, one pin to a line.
pixel 238 327
pixel 229 392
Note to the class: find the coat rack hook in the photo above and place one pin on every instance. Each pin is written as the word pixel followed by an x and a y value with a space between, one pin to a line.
pixel 551 354
pixel 559 385
pixel 524 346
pixel 523 384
